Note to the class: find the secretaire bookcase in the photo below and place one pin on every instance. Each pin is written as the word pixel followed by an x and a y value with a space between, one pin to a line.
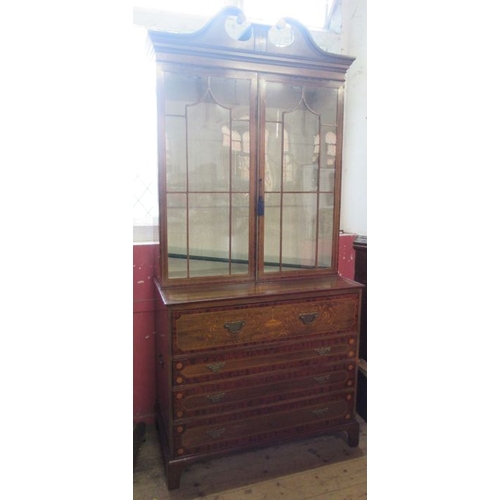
pixel 256 332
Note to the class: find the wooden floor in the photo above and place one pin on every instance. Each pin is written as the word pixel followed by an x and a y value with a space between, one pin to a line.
pixel 324 468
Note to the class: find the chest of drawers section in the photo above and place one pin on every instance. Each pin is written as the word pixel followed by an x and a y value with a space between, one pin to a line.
pixel 251 374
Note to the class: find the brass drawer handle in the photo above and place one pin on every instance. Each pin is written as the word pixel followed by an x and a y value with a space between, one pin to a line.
pixel 216 398
pixel 323 351
pixel 308 318
pixel 216 433
pixel 234 326
pixel 322 380
pixel 320 412
pixel 216 367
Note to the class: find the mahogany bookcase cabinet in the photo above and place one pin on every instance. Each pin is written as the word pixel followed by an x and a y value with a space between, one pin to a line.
pixel 256 332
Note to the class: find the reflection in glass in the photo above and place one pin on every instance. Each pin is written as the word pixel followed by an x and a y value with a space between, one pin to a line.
pixel 208 160
pixel 208 234
pixel 175 131
pixel 272 232
pixel 239 138
pixel 183 90
pixel 274 156
pixel 300 153
pixel 328 147
pixel 177 235
pixel 234 94
pixel 325 230
pixel 326 179
pixel 281 97
pixel 328 154
pixel 303 146
pixel 207 132
pixel 323 100
pixel 299 230
pixel 240 233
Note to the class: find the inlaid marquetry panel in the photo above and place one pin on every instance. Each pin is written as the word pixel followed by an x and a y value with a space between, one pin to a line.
pixel 318 343
pixel 221 434
pixel 208 369
pixel 281 376
pixel 220 401
pixel 222 327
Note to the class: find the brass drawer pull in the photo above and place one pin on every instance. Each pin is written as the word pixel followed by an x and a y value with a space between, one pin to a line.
pixel 308 318
pixel 216 367
pixel 216 433
pixel 234 326
pixel 320 412
pixel 322 380
pixel 216 398
pixel 323 351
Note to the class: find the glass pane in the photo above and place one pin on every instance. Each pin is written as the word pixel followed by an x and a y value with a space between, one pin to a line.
pixel 281 97
pixel 208 234
pixel 299 230
pixel 326 179
pixel 328 153
pixel 240 233
pixel 208 158
pixel 183 90
pixel 272 232
pixel 328 146
pixel 240 140
pixel 232 93
pixel 175 131
pixel 323 100
pixel 302 127
pixel 273 156
pixel 325 230
pixel 177 235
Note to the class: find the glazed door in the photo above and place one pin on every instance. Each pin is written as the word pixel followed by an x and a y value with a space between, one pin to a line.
pixel 300 138
pixel 249 177
pixel 208 184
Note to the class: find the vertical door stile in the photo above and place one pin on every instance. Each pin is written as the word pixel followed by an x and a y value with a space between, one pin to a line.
pixel 259 185
pixel 282 123
pixel 187 191
pixel 318 195
pixel 162 188
pixel 338 175
pixel 230 222
pixel 254 175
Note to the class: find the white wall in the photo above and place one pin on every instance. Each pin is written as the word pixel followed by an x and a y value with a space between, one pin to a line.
pixel 349 38
pixel 354 190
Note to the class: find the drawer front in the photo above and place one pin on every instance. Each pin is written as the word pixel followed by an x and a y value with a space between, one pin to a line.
pixel 243 363
pixel 222 327
pixel 239 430
pixel 208 399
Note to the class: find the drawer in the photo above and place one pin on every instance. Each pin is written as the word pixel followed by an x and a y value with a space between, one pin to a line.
pixel 241 325
pixel 237 430
pixel 251 392
pixel 200 369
